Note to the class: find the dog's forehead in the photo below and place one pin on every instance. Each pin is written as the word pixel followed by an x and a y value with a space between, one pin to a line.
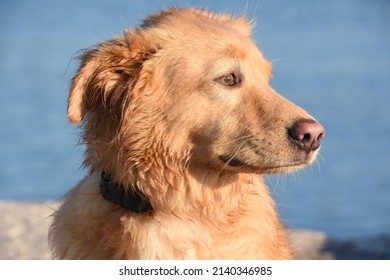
pixel 245 52
pixel 242 48
pixel 210 38
pixel 197 27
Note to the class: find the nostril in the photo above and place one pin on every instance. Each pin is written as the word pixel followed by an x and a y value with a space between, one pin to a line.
pixel 306 134
pixel 307 137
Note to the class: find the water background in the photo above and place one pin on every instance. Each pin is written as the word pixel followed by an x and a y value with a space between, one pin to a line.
pixel 330 57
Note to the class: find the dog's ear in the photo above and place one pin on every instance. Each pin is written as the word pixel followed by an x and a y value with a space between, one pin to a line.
pixel 108 73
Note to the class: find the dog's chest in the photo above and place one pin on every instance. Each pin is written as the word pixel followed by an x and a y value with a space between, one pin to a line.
pixel 169 237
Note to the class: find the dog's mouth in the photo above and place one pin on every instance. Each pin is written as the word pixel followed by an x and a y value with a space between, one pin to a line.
pixel 234 164
pixel 231 161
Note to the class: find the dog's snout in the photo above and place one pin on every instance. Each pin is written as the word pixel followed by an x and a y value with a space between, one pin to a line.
pixel 306 134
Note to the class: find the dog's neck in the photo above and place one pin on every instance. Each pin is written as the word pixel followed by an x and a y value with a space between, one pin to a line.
pixel 131 199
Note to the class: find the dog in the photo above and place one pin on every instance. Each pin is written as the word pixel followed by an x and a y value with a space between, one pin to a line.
pixel 180 122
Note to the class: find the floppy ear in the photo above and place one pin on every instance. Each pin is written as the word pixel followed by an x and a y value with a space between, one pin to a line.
pixel 77 102
pixel 107 73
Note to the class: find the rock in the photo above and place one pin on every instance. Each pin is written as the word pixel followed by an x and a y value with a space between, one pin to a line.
pixel 314 245
pixel 23 229
pixel 374 248
pixel 308 245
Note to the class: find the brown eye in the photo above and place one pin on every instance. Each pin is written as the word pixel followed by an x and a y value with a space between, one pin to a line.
pixel 230 80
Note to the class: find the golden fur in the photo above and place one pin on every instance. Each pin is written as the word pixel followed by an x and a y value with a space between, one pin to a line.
pixel 159 105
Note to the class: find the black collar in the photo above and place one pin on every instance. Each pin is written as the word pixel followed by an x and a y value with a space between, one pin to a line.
pixel 132 200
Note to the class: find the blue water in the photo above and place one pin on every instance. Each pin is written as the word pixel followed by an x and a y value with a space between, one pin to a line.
pixel 331 57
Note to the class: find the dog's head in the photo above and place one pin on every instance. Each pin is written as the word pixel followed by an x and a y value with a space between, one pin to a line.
pixel 188 87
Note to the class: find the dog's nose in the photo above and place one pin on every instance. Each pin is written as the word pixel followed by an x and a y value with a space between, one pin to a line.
pixel 306 134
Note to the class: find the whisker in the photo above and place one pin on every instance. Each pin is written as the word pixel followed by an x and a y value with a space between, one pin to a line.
pixel 235 153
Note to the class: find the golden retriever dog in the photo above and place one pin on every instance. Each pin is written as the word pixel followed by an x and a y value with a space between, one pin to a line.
pixel 180 122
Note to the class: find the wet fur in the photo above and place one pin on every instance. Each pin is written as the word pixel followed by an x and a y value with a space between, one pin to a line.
pixel 156 115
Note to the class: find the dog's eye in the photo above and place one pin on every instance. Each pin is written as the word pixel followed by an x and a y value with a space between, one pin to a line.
pixel 230 80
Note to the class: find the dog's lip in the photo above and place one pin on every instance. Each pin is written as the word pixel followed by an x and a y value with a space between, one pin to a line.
pixel 231 161
pixel 289 165
pixel 236 163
